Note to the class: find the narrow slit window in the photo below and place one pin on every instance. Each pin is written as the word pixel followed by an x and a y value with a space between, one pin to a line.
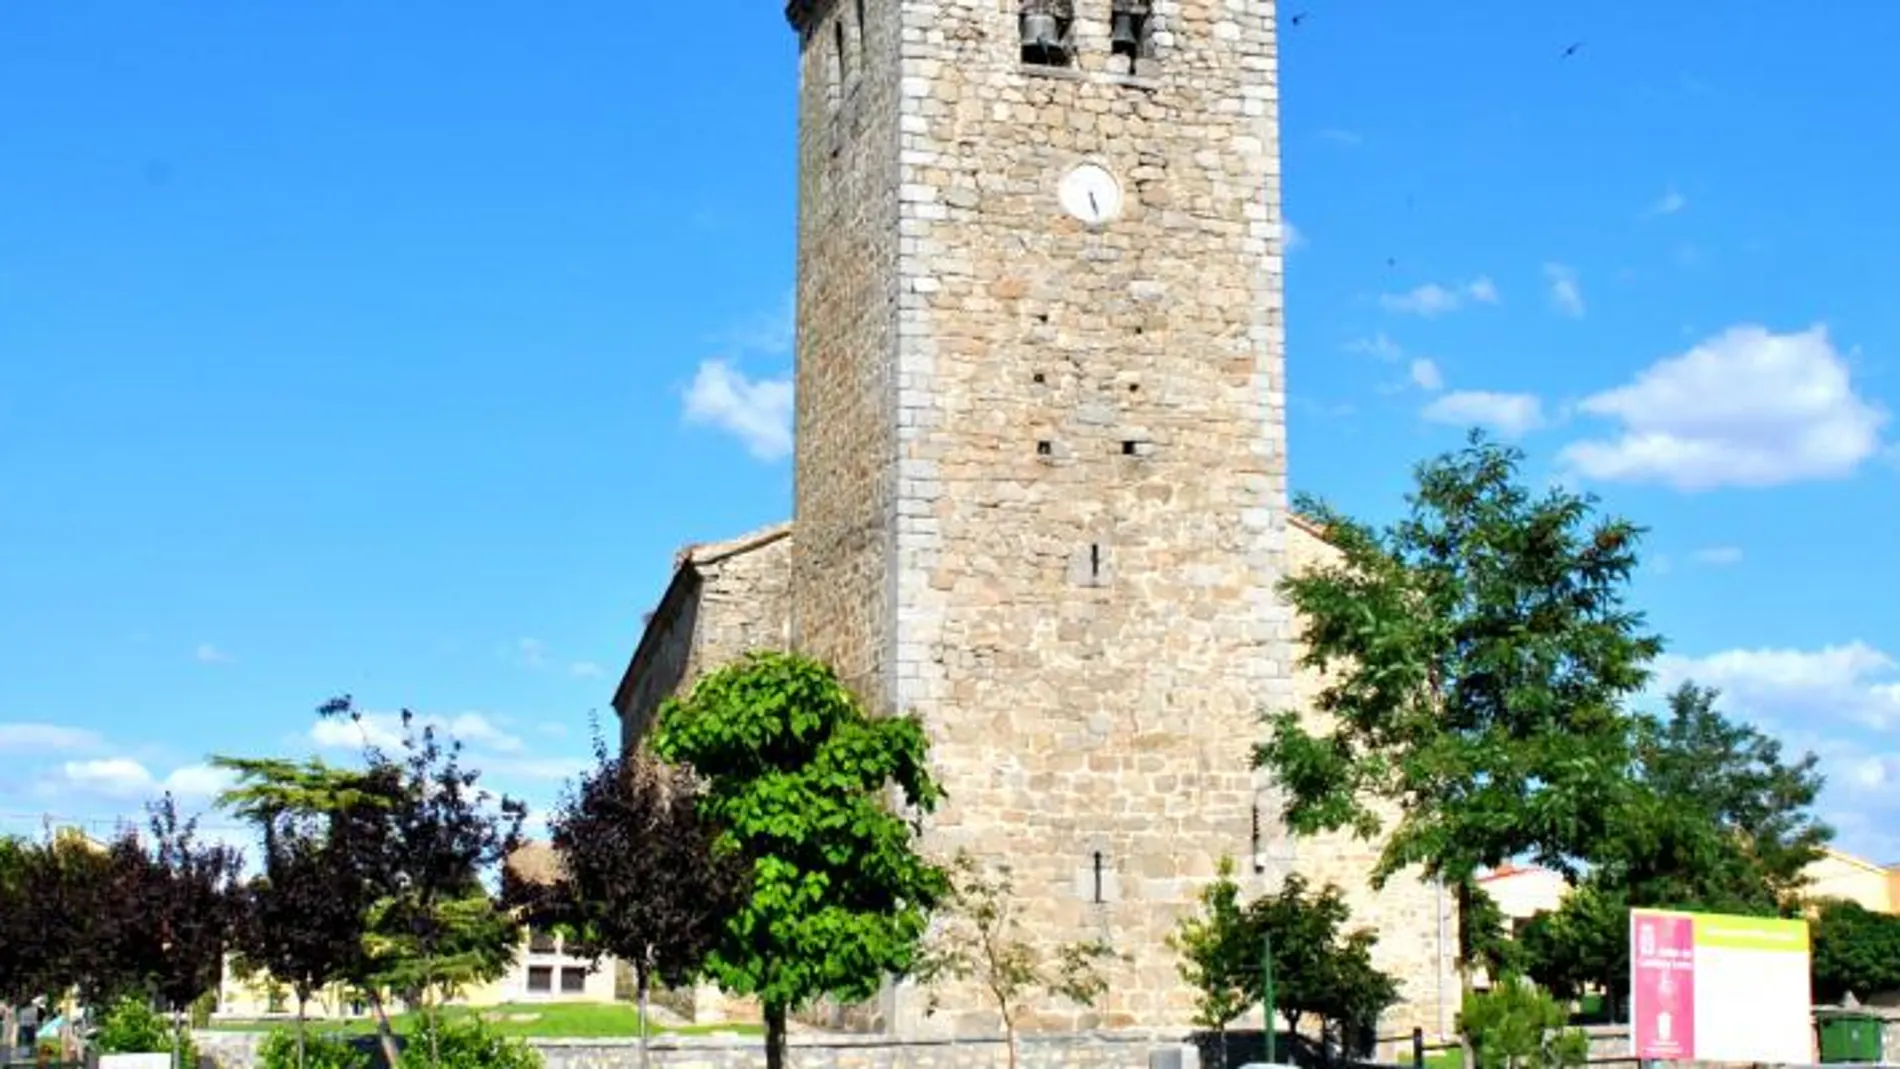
pixel 840 59
pixel 1098 877
pixel 860 13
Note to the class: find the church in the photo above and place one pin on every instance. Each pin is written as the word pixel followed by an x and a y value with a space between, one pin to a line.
pixel 1040 490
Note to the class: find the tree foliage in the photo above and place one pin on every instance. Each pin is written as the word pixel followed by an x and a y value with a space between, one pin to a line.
pixel 1479 651
pixel 414 842
pixel 185 892
pixel 639 878
pixel 434 927
pixel 981 939
pixel 324 837
pixel 1220 955
pixel 1855 950
pixel 1515 1025
pixel 1320 969
pixel 1484 936
pixel 796 775
pixel 307 910
pixel 1713 819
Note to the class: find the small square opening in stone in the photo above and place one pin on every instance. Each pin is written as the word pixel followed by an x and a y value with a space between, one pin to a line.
pixel 1045 448
pixel 1038 377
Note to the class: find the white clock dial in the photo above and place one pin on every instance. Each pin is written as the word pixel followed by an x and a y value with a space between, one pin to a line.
pixel 1091 194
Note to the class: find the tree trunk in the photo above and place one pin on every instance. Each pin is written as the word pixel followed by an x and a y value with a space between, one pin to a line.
pixel 1220 1047
pixel 774 1035
pixel 301 1000
pixel 640 980
pixel 385 1034
pixel 1009 1042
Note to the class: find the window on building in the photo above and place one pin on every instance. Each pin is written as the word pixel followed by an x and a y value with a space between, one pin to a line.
pixel 860 33
pixel 573 981
pixel 1045 26
pixel 1130 37
pixel 540 979
pixel 835 86
pixel 541 941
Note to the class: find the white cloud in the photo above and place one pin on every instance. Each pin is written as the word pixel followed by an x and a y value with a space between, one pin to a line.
pixel 1291 237
pixel 1717 556
pixel 757 411
pixel 1509 414
pixel 1433 299
pixel 198 781
pixel 206 653
pixel 1566 295
pixel 384 731
pixel 536 768
pixel 1379 346
pixel 1746 408
pixel 1426 376
pixel 1669 204
pixel 1851 683
pixel 28 738
pixel 585 670
pixel 534 652
pixel 124 779
pixel 1836 702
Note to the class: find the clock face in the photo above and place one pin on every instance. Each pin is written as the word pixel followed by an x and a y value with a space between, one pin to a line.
pixel 1090 193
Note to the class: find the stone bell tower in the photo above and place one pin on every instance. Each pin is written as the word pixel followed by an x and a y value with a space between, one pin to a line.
pixel 1041 463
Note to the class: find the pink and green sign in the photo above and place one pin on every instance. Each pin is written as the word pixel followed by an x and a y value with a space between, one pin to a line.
pixel 1715 988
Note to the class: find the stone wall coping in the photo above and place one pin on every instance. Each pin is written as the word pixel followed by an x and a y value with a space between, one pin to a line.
pixel 736 1040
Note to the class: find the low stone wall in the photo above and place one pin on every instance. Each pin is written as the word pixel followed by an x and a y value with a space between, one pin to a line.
pixel 1108 1050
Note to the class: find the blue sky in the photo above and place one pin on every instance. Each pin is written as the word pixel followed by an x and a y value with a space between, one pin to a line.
pixel 393 349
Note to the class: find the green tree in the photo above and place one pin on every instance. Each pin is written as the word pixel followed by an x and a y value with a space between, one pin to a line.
pixel 1479 653
pixel 1855 951
pixel 1318 968
pixel 1713 818
pixel 434 928
pixel 983 940
pixel 796 777
pixel 1517 1026
pixel 307 912
pixel 1220 954
pixel 1484 935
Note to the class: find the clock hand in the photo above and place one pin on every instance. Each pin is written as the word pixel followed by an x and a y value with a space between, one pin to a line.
pixel 1094 208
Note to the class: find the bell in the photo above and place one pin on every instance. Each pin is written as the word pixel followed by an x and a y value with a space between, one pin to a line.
pixel 1122 36
pixel 1041 36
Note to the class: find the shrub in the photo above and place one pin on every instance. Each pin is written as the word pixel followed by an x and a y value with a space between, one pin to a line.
pixel 279 1051
pixel 468 1043
pixel 132 1026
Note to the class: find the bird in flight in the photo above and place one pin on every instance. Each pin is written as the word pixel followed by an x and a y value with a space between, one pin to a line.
pixel 1572 50
pixel 1298 18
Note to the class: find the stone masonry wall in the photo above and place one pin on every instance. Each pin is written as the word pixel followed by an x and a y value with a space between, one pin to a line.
pixel 238 1050
pixel 1091 467
pixel 1417 920
pixel 847 251
pixel 744 599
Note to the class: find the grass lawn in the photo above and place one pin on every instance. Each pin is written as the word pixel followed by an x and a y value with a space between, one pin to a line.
pixel 1444 1059
pixel 535 1020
